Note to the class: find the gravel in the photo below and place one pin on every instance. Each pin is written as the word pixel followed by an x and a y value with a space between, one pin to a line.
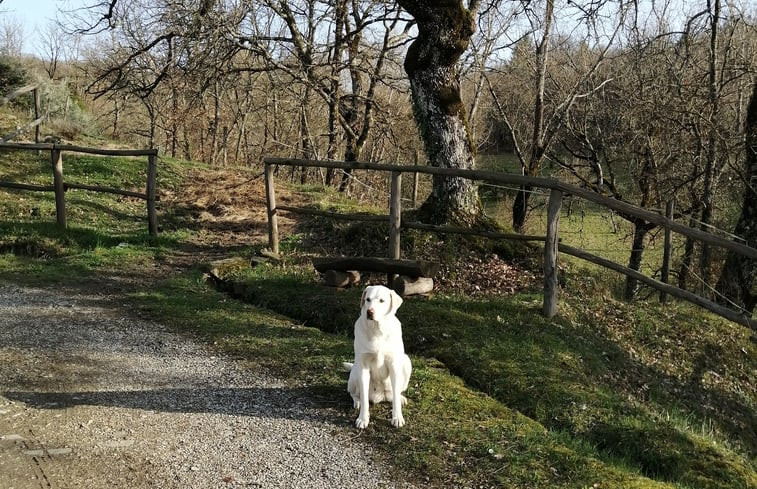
pixel 91 397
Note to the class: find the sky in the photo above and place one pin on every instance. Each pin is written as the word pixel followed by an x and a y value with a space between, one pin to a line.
pixel 34 15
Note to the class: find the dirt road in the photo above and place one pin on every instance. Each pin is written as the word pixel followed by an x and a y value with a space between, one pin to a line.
pixel 91 397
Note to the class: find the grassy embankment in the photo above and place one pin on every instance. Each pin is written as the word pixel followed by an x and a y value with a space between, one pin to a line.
pixel 605 395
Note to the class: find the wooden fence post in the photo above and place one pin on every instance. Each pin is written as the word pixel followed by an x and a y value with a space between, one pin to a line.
pixel 395 221
pixel 36 115
pixel 56 160
pixel 550 254
pixel 395 215
pixel 415 182
pixel 665 273
pixel 152 176
pixel 270 202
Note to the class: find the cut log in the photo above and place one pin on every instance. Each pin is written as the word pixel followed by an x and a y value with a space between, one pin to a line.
pixel 258 260
pixel 405 285
pixel 411 268
pixel 221 269
pixel 337 278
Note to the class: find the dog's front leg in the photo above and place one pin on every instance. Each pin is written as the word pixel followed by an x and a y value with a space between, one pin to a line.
pixel 363 416
pixel 394 375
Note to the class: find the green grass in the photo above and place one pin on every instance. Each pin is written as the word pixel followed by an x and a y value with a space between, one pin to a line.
pixel 577 377
pixel 103 230
pixel 608 394
pixel 456 434
pixel 583 225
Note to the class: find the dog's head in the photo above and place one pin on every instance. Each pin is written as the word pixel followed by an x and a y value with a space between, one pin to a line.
pixel 378 302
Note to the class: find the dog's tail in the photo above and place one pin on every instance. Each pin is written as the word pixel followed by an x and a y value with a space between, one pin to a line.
pixel 347 366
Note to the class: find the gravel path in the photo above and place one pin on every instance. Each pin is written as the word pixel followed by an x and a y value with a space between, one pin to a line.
pixel 93 398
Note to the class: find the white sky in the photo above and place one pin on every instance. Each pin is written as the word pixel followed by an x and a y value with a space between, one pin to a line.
pixel 34 15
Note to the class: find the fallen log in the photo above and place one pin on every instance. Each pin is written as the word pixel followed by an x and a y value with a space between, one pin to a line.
pixel 405 285
pixel 221 269
pixel 337 278
pixel 411 268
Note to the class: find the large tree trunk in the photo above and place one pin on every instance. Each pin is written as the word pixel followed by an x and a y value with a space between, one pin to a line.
pixel 737 277
pixel 444 31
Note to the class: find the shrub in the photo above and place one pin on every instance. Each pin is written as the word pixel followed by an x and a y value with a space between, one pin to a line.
pixel 12 75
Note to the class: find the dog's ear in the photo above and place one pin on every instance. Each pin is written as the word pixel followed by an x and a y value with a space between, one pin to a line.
pixel 362 298
pixel 395 301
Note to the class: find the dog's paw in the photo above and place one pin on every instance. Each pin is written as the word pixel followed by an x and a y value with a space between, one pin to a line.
pixel 398 421
pixel 361 423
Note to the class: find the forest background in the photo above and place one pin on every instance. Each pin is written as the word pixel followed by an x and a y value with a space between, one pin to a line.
pixel 640 101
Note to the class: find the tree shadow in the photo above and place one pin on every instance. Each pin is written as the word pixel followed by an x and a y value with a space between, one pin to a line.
pixel 296 403
pixel 83 202
pixel 73 350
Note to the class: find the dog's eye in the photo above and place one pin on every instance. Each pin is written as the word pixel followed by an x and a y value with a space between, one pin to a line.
pixel 381 301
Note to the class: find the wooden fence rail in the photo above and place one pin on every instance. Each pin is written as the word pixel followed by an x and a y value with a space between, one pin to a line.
pixel 34 89
pixel 60 186
pixel 558 191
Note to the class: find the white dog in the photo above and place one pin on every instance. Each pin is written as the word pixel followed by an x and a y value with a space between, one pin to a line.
pixel 382 369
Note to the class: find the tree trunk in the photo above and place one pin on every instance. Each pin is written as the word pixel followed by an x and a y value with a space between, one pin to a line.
pixel 214 125
pixel 352 148
pixel 351 153
pixel 444 31
pixel 640 227
pixel 334 91
pixel 520 208
pixel 538 149
pixel 688 254
pixel 738 274
pixel 115 117
pixel 640 231
pixel 711 169
pixel 305 140
pixel 174 136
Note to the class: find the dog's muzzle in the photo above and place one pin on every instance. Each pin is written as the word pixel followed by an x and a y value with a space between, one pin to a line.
pixel 369 313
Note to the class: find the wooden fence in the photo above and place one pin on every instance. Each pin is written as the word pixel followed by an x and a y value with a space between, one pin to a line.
pixel 558 190
pixel 60 186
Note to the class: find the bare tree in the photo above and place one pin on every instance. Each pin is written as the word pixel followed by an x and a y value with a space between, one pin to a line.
pixel 713 41
pixel 11 36
pixel 738 274
pixel 537 93
pixel 56 47
pixel 357 107
pixel 644 137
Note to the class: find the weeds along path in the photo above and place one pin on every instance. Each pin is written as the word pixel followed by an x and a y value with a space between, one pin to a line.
pixel 94 398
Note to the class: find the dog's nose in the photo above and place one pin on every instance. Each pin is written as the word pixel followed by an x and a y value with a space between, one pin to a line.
pixel 369 313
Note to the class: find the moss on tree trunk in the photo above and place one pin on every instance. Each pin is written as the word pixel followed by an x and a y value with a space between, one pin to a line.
pixel 444 31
